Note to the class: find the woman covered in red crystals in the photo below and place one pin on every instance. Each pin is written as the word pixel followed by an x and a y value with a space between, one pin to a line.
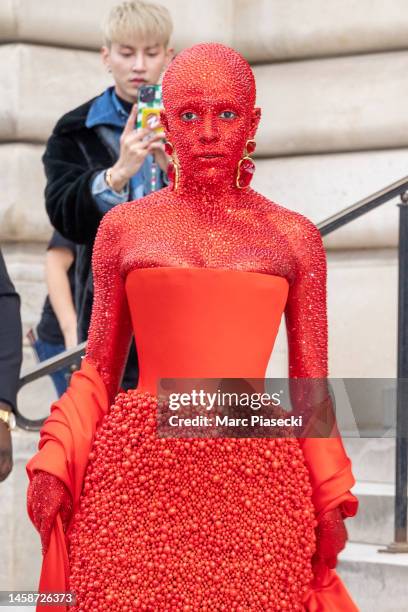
pixel 201 272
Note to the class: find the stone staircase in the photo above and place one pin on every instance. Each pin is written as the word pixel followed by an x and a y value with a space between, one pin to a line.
pixel 376 580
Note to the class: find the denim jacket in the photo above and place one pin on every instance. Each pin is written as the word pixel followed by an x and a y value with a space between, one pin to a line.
pixel 108 117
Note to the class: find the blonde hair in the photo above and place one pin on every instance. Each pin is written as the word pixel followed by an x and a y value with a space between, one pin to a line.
pixel 138 20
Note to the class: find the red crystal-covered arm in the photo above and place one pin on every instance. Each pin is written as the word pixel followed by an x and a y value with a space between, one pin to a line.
pixel 110 329
pixel 306 324
pixel 306 311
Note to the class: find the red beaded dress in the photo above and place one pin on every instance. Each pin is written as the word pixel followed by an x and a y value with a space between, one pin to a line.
pixel 201 273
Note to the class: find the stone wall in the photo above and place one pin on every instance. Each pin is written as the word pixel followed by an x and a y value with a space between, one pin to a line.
pixel 331 84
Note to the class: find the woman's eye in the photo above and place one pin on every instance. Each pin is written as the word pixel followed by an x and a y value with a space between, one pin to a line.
pixel 227 114
pixel 189 116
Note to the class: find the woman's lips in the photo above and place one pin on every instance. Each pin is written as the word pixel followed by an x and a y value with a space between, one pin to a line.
pixel 210 155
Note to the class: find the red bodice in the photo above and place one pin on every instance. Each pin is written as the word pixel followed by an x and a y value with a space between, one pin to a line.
pixel 192 322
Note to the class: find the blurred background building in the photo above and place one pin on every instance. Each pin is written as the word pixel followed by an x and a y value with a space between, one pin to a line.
pixel 333 87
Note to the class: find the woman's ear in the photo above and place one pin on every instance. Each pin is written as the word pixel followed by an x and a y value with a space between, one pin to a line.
pixel 255 119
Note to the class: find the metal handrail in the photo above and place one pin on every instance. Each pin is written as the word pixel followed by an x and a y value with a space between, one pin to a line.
pixel 363 206
pixel 53 364
pixel 345 216
pixel 48 366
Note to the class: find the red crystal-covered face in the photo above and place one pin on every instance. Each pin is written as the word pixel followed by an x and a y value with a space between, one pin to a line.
pixel 209 95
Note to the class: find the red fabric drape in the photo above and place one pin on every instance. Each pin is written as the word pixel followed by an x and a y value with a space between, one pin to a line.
pixel 65 442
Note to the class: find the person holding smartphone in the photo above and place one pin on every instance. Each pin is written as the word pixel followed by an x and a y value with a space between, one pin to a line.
pixel 96 158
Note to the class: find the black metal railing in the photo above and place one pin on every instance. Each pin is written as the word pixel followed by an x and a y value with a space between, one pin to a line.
pixel 345 216
pixel 363 206
pixel 46 367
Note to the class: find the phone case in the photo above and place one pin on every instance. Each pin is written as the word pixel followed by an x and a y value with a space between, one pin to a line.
pixel 149 105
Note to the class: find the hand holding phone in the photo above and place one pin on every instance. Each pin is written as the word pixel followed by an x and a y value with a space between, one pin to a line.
pixel 134 147
pixel 149 105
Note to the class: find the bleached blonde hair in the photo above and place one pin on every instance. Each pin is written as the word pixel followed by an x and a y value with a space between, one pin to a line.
pixel 138 20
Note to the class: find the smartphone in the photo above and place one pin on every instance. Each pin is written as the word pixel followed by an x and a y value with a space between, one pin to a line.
pixel 149 105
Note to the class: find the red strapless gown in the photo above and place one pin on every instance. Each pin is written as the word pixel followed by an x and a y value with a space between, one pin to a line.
pixel 171 524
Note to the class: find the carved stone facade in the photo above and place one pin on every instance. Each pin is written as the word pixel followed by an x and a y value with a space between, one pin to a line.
pixel 332 84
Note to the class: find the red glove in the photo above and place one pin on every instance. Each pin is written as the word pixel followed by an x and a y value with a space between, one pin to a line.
pixel 47 495
pixel 331 538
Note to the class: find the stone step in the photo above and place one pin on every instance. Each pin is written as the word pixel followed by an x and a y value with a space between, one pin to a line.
pixel 376 581
pixel 20 557
pixel 374 522
pixel 373 459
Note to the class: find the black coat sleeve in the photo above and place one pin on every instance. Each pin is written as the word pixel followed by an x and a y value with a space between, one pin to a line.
pixel 68 198
pixel 10 338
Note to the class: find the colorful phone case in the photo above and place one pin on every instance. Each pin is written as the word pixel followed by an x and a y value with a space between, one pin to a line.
pixel 148 114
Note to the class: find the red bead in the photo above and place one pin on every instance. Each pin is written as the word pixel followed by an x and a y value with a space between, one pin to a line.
pixel 250 146
pixel 178 512
pixel 245 172
pixel 168 148
pixel 171 173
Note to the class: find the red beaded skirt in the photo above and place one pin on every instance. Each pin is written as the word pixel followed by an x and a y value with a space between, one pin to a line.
pixel 167 524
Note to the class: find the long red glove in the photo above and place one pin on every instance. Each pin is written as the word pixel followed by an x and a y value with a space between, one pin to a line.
pixel 331 538
pixel 46 496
